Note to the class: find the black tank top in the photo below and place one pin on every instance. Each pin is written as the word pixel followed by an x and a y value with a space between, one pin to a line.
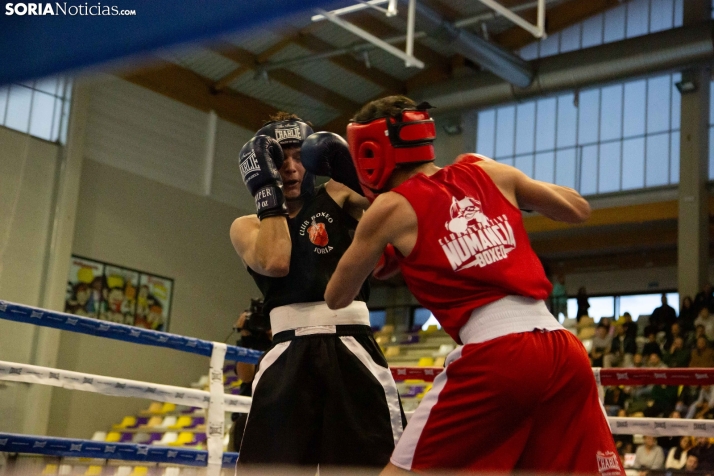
pixel 320 233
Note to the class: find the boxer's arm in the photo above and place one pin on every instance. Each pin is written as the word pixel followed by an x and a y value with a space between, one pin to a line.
pixel 264 245
pixel 377 228
pixel 553 201
pixel 351 201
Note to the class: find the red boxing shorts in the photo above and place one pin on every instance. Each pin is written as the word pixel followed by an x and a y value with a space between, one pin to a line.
pixel 525 401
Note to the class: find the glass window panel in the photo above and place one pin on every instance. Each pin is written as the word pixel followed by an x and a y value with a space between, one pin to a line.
pixel 611 116
pixel 711 153
pixel 549 46
pixel 588 170
pixel 545 166
pixel 633 163
pixel 56 121
pixel 507 161
pixel 48 85
pixel 565 167
pixel 658 103
pixel 642 304
pixel 18 108
pixel 634 114
pixel 588 119
pixel 674 157
pixel 567 121
pixel 657 164
pixel 545 124
pixel 637 18
pixel 676 108
pixel 601 307
pixel 572 307
pixel 485 133
pixel 525 127
pixel 530 51
pixel 42 112
pixel 678 11
pixel 711 99
pixel 570 38
pixel 377 319
pixel 505 122
pixel 524 163
pixel 661 15
pixel 615 24
pixel 592 31
pixel 4 93
pixel 609 179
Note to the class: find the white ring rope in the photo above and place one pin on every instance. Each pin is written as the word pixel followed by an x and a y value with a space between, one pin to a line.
pixel 15 372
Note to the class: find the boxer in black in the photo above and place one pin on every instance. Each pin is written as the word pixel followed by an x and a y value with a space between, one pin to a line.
pixel 323 394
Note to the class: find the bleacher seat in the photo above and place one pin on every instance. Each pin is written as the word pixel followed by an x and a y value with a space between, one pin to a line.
pixel 123 471
pixel 99 436
pixel 113 436
pixel 184 438
pixel 169 437
pixel 153 422
pixel 50 469
pixel 392 351
pixel 168 422
pixel 93 470
pixel 426 362
pixel 168 407
pixel 155 407
pixel 182 422
pixel 410 339
pixel 126 437
pixel 439 361
pixel 127 422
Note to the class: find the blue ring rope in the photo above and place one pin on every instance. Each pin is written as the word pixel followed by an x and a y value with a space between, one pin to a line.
pixel 86 325
pixel 70 447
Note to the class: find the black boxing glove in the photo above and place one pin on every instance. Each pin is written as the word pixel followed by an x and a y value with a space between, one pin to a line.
pixel 260 159
pixel 327 154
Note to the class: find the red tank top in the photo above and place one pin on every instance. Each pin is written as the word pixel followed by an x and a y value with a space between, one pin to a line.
pixel 471 247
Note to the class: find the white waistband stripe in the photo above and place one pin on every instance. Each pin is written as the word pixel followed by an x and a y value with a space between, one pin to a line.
pixel 316 314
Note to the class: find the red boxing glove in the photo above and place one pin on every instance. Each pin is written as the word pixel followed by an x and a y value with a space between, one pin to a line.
pixel 387 266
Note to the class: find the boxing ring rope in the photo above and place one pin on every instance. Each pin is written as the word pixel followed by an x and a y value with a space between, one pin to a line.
pixel 217 402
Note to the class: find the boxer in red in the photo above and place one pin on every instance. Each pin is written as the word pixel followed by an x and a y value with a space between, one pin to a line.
pixel 519 395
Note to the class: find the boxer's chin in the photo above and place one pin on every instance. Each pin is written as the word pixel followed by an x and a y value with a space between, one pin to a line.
pixel 292 193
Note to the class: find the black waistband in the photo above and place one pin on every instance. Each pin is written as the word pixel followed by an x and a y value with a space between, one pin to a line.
pixel 340 330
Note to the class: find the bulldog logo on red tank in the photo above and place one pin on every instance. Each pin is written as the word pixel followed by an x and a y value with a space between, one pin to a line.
pixel 317 232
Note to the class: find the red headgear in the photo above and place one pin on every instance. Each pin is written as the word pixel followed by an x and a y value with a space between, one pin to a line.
pixel 379 146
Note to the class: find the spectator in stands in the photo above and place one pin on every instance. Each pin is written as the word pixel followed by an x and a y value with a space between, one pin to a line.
pixel 704 299
pixel 704 318
pixel 663 317
pixel 651 346
pixel 669 442
pixel 687 314
pixel 672 331
pixel 615 400
pixel 662 400
pixel 704 405
pixel 704 452
pixel 559 298
pixel 630 327
pixel 583 304
pixel 702 355
pixel 649 455
pixel 676 355
pixel 637 360
pixel 677 456
pixel 692 462
pixel 601 346
pixel 622 348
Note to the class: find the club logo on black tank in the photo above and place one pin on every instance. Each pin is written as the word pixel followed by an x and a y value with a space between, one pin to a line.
pixel 317 232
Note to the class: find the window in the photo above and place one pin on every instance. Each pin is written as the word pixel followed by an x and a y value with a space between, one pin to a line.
pixel 601 140
pixel 636 304
pixel 423 318
pixel 39 108
pixel 630 19
pixel 377 318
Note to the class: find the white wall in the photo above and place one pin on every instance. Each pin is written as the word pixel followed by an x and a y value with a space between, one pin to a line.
pixel 27 177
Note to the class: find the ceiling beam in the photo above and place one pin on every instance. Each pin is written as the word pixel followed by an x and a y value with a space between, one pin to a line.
pixel 287 78
pixel 188 87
